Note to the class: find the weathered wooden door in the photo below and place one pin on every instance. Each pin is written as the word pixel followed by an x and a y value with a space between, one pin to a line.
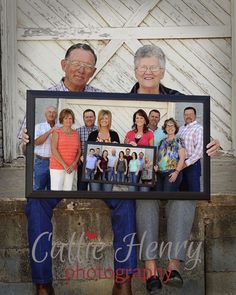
pixel 194 34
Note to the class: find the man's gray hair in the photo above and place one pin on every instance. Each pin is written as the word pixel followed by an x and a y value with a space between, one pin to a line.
pixel 148 51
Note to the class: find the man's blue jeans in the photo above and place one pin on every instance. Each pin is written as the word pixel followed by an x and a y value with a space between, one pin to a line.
pixel 191 178
pixel 124 229
pixel 89 173
pixel 41 175
pixel 39 213
pixel 111 174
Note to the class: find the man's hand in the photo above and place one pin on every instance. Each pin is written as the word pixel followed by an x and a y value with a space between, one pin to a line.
pixel 213 147
pixel 25 137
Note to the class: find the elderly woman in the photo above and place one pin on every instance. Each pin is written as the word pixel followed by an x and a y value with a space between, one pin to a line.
pixel 149 61
pixel 123 214
pixel 65 152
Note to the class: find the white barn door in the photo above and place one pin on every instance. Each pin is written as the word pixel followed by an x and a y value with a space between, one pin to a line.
pixel 194 34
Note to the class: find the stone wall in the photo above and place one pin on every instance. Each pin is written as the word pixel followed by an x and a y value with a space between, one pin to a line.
pixel 214 226
pixel 1 124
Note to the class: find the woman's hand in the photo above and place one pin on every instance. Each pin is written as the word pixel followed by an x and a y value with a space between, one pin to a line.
pixel 68 169
pixel 155 167
pixel 173 176
pixel 133 143
pixel 213 147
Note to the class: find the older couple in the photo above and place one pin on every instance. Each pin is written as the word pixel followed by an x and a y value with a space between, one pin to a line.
pixel 79 67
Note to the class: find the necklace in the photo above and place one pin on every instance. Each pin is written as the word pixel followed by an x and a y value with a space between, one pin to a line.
pixel 68 132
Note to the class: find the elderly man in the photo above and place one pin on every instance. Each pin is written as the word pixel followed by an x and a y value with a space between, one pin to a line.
pixel 79 66
pixel 42 150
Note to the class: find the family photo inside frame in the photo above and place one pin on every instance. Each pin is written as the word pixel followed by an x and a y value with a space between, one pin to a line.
pixel 119 173
pixel 119 176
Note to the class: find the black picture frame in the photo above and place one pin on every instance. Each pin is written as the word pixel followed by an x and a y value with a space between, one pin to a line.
pixel 32 95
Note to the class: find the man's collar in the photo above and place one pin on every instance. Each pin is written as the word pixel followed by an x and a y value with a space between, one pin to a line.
pixel 191 124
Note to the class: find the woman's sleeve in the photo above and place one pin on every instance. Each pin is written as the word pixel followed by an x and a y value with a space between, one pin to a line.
pixel 114 136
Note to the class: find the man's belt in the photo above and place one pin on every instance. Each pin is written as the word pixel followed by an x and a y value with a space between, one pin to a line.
pixel 41 158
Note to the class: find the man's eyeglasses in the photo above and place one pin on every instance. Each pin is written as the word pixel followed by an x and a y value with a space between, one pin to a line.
pixel 153 69
pixel 77 65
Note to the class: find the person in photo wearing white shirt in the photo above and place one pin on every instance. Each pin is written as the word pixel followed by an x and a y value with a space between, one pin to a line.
pixel 42 150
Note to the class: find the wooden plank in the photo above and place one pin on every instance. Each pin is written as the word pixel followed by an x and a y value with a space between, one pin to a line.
pixel 187 12
pixel 9 81
pixel 105 54
pixel 187 54
pixel 226 5
pixel 141 13
pixel 31 74
pixel 211 62
pixel 132 5
pixel 109 16
pixel 42 12
pixel 30 58
pixel 31 16
pixel 124 12
pixel 219 131
pixel 217 11
pixel 177 18
pixel 234 77
pixel 64 12
pixel 83 12
pixel 120 76
pixel 203 12
pixel 24 20
pixel 223 45
pixel 192 80
pixel 62 33
pixel 133 44
pixel 217 52
pixel 159 19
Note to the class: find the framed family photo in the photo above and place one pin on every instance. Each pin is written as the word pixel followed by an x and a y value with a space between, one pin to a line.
pixel 117 180
pixel 119 173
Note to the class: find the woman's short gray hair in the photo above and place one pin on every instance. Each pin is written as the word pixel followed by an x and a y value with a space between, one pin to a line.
pixel 148 51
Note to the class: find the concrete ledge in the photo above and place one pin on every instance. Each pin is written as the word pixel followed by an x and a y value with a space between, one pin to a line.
pixel 214 226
